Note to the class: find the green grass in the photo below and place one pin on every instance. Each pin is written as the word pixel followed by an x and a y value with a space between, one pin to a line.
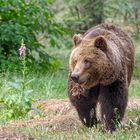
pixel 134 89
pixel 48 86
pixel 137 59
pixel 44 86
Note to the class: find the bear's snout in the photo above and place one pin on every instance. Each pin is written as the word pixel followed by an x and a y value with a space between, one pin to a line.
pixel 75 77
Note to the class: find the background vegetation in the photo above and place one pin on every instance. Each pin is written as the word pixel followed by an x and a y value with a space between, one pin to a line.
pixel 47 27
pixel 43 24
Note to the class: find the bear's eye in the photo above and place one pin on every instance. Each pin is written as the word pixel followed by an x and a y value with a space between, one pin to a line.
pixel 87 63
pixel 74 62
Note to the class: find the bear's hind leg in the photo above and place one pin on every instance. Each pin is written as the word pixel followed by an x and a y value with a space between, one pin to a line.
pixel 113 102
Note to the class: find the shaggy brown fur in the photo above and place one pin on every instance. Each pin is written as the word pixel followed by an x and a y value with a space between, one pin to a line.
pixel 101 66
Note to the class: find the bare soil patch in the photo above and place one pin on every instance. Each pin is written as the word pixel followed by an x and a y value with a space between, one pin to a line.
pixel 57 114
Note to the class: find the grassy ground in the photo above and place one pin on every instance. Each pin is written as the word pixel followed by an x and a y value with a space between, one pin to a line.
pixel 48 86
pixel 129 131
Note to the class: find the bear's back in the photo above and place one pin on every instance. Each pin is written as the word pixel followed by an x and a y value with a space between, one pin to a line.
pixel 114 33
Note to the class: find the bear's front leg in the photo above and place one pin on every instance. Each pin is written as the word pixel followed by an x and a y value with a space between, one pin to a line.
pixel 113 101
pixel 85 102
pixel 87 116
pixel 86 110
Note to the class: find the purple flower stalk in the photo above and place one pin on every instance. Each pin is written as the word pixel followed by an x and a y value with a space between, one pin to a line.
pixel 22 50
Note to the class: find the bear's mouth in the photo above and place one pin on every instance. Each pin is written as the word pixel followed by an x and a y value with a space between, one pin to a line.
pixel 82 82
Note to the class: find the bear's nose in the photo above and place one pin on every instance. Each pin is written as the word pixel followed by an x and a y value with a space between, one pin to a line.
pixel 75 77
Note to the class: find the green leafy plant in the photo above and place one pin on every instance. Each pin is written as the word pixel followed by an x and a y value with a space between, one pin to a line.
pixel 31 21
pixel 18 105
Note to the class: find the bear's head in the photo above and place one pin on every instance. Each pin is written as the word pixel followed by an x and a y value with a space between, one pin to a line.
pixel 93 62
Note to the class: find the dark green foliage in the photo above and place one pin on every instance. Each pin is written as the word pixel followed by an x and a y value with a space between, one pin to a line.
pixel 84 14
pixel 35 20
pixel 21 19
pixel 124 12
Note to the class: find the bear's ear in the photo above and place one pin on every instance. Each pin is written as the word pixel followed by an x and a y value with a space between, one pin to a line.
pixel 101 43
pixel 77 38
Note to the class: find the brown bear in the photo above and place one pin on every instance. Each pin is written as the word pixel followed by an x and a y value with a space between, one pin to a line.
pixel 100 69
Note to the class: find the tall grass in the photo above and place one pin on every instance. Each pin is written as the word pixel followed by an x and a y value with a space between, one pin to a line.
pixel 45 86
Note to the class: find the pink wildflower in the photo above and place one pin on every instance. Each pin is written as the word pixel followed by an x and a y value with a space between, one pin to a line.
pixel 22 50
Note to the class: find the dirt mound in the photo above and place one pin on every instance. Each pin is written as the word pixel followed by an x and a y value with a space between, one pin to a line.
pixel 14 136
pixel 133 103
pixel 64 107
